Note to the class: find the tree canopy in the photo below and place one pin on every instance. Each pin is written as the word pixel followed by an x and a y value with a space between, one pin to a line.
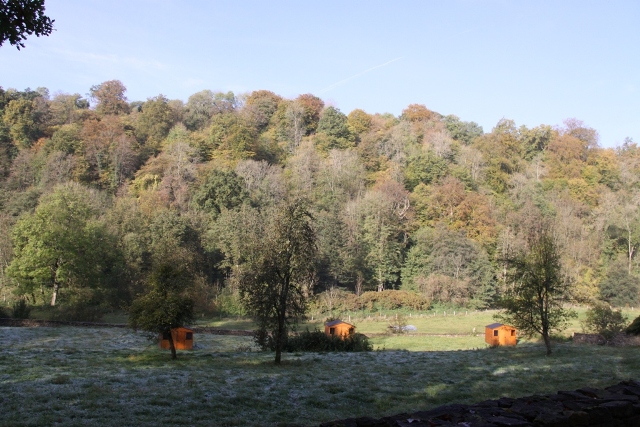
pixel 276 280
pixel 538 290
pixel 422 203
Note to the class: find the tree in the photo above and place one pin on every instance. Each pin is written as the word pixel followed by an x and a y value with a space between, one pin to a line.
pixel 602 319
pixel 446 266
pixel 154 121
pixel 417 113
pixel 108 155
pixel 59 245
pixel 110 97
pixel 20 18
pixel 534 302
pixel 166 305
pixel 312 106
pixel 333 130
pixel 424 167
pixel 261 106
pixel 273 285
pixel 230 136
pixel 359 121
pixel 22 118
pixel 219 190
pixel 464 132
pixel 618 286
pixel 383 219
pixel 203 105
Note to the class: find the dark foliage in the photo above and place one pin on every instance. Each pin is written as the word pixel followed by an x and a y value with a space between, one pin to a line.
pixel 166 305
pixel 603 320
pixel 634 327
pixel 21 309
pixel 20 18
pixel 318 341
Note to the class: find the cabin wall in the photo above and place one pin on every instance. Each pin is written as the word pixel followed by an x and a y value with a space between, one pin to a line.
pixel 180 340
pixel 504 336
pixel 340 330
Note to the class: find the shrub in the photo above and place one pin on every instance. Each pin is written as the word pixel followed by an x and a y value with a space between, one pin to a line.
pixel 342 301
pixel 618 287
pixel 398 325
pixel 21 309
pixel 634 327
pixel 318 341
pixel 227 303
pixel 601 319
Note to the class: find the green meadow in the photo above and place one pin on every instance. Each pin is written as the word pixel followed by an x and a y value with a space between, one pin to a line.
pixel 72 376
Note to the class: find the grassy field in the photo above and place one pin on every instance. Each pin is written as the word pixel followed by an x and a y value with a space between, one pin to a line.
pixel 113 377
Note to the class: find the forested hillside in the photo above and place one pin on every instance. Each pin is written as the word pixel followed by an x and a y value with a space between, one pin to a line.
pixel 98 192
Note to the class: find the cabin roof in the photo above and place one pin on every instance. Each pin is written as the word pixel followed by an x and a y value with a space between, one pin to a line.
pixel 497 325
pixel 336 322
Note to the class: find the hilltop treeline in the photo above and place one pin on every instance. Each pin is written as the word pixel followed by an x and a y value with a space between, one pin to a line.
pixel 96 191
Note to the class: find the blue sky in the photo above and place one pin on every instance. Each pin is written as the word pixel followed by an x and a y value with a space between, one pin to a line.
pixel 536 62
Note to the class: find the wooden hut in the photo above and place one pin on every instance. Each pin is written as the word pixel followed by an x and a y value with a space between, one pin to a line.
pixel 339 328
pixel 499 334
pixel 182 339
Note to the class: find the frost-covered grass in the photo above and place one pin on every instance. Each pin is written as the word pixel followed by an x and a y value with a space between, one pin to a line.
pixel 114 377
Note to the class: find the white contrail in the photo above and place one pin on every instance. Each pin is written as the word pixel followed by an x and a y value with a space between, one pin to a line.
pixel 328 88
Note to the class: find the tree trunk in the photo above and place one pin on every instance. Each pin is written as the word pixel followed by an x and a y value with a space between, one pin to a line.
pixel 631 252
pixel 547 342
pixel 359 281
pixel 56 284
pixel 278 359
pixel 56 287
pixel 380 281
pixel 279 338
pixel 172 346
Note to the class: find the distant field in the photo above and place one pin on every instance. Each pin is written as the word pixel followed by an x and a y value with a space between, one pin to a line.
pixel 114 377
pixel 435 330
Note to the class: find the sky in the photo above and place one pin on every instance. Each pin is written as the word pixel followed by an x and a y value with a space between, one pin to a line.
pixel 534 62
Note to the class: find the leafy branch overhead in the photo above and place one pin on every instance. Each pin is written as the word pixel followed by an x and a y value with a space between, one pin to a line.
pixel 21 18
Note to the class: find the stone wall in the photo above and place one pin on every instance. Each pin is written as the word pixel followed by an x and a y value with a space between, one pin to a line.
pixel 615 406
pixel 620 340
pixel 595 339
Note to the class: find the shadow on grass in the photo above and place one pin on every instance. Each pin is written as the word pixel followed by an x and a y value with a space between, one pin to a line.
pixel 213 385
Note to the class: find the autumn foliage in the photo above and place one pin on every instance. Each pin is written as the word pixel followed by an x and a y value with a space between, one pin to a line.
pixel 408 211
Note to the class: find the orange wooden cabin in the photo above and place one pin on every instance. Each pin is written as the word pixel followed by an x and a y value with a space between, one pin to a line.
pixel 499 334
pixel 339 328
pixel 182 339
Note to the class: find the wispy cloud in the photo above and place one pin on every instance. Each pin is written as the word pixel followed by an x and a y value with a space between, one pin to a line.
pixel 192 82
pixel 110 59
pixel 355 76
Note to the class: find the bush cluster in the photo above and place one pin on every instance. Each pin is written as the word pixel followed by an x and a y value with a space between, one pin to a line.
pixel 318 341
pixel 634 327
pixel 372 301
pixel 603 320
pixel 21 310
